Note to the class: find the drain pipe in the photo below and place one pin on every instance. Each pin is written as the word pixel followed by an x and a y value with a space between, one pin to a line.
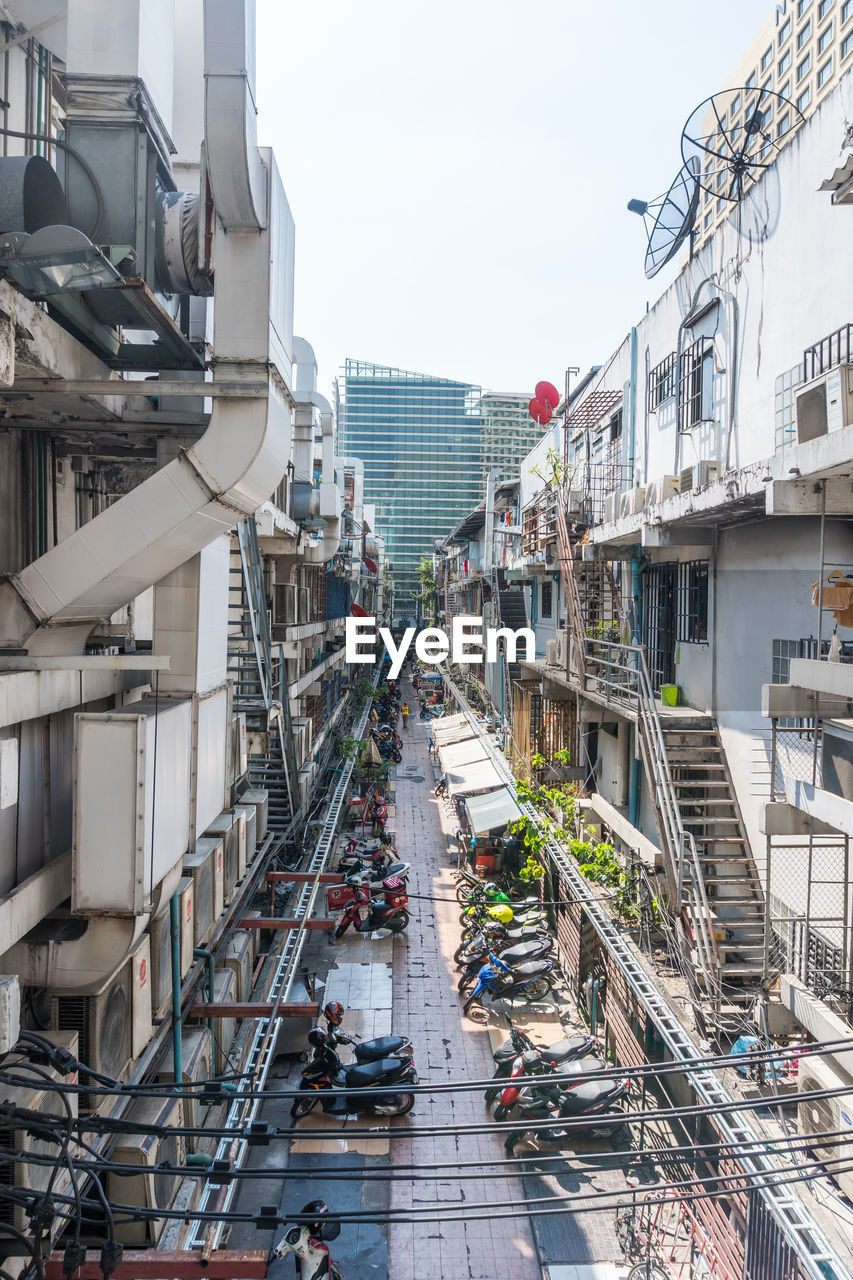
pixel 201 953
pixel 177 1047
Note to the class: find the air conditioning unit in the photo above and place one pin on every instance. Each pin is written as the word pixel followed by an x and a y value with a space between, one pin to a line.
pixel 200 867
pixel 561 643
pixel 227 828
pixel 104 1023
pixel 197 1061
pixel 224 992
pixel 238 956
pixel 826 1115
pixel 248 815
pixel 254 934
pixel 631 501
pixel 551 653
pixel 696 477
pixel 825 404
pixel 261 800
pixel 140 991
pixel 611 508
pixel 214 848
pixel 34 1097
pixel 303 734
pixel 161 962
pixel 151 1188
pixel 239 747
pixel 659 490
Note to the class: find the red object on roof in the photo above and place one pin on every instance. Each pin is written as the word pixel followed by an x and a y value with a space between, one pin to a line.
pixel 539 412
pixel 546 393
pixel 357 611
pixel 371 564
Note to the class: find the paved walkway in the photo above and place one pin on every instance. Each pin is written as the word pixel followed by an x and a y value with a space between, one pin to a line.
pixel 447 1047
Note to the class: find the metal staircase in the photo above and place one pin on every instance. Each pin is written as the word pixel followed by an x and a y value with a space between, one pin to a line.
pixel 259 672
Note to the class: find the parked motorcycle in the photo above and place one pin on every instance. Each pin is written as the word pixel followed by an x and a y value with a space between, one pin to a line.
pixel 307 1242
pixel 374 879
pixel 366 912
pixel 325 1079
pixel 593 1100
pixel 533 1062
pixel 557 1054
pixel 530 981
pixel 364 1050
pixel 533 949
pixel 474 918
pixel 498 934
pixel 376 858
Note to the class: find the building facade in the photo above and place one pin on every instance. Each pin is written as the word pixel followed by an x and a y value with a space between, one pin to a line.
pixel 509 432
pixel 420 440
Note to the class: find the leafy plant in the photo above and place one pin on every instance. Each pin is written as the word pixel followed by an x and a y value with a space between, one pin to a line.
pixel 532 871
pixel 537 760
pixel 563 756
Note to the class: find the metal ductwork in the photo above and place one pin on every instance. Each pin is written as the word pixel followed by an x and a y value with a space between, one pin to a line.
pixel 31 195
pixel 234 171
pixel 177 245
pixel 324 502
pixel 74 954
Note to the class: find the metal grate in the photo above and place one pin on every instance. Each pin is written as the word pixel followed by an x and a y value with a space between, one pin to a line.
pixel 695 383
pixel 662 382
pixel 828 352
pixel 660 582
pixel 692 602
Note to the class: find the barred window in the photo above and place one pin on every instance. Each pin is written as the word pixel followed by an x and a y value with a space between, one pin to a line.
pixel 692 602
pixel 662 382
pixel 697 384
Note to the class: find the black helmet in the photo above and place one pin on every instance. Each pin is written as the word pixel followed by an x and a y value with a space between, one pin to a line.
pixel 334 1012
pixel 318 1038
pixel 320 1226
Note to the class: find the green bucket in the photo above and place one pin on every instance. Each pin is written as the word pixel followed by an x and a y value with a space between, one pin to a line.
pixel 670 695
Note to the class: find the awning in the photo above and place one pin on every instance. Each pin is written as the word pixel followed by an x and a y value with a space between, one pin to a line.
pixel 453 755
pixel 470 778
pixel 458 733
pixel 492 812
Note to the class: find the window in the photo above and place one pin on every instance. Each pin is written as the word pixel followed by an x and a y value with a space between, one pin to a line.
pixel 846 10
pixel 697 381
pixel 824 39
pixel 708 220
pixel 785 90
pixel 783 125
pixel 735 107
pixel 767 86
pixel 767 58
pixel 750 80
pixel 802 5
pixel 804 99
pixel 824 8
pixel 804 33
pixel 824 74
pixel 784 62
pixel 662 377
pixel 847 45
pixel 784 31
pixel 691 625
pixel 546 607
pixel 804 67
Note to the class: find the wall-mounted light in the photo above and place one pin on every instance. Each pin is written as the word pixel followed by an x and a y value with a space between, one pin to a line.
pixel 56 260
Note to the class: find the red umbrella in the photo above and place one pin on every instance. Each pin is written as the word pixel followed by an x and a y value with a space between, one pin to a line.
pixel 547 394
pixel 357 611
pixel 371 564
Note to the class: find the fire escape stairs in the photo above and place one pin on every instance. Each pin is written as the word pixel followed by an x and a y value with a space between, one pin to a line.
pixel 258 670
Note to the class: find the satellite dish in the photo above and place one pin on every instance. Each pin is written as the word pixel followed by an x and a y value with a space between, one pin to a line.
pixel 669 218
pixel 735 136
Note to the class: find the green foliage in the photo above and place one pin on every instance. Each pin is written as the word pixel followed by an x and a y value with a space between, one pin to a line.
pixel 538 761
pixel 563 756
pixel 426 592
pixel 532 871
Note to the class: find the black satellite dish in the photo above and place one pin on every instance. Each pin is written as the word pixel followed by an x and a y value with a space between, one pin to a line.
pixel 669 218
pixel 735 136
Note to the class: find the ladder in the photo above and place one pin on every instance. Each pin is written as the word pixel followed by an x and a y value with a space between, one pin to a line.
pixel 259 672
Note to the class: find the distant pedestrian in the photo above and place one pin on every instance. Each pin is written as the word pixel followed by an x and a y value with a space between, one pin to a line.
pixel 405 710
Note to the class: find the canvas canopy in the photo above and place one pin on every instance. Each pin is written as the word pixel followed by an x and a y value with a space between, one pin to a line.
pixel 454 754
pixel 466 779
pixel 493 811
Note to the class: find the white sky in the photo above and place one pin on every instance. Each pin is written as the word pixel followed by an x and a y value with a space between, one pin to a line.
pixel 459 169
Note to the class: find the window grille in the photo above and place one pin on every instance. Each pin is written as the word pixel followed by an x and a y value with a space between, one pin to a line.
pixel 661 383
pixel 692 602
pixel 696 383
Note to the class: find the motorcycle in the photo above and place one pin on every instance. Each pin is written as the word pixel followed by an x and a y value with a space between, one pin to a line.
pixel 533 949
pixel 326 1075
pixel 557 1054
pixel 531 1063
pixel 307 1242
pixel 364 912
pixel 374 879
pixel 364 1050
pixel 375 859
pixel 592 1099
pixel 531 981
pixel 499 935
pixel 474 918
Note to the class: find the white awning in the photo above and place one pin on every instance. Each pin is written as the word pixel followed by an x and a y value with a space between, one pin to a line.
pixel 492 812
pixel 458 733
pixel 454 754
pixel 445 723
pixel 470 778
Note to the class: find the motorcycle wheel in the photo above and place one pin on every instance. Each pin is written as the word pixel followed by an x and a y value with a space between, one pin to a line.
pixel 397 923
pixel 537 990
pixel 401 1103
pixel 462 895
pixel 396 756
pixel 501 1112
pixel 302 1107
pixel 465 981
pixel 619 1137
pixel 341 930
pixel 469 1005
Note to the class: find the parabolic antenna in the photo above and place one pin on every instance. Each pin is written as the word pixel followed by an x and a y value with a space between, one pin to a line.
pixel 735 136
pixel 669 218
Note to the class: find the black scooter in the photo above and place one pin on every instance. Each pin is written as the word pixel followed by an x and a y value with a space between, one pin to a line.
pixel 593 1100
pixel 325 1080
pixel 556 1054
pixel 533 949
pixel 364 1050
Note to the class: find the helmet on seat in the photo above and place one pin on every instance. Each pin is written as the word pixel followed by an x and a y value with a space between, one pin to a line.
pixel 334 1012
pixel 318 1038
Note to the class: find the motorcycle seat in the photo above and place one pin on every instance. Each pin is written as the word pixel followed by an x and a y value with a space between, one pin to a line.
pixel 382 1047
pixel 524 951
pixel 368 1073
pixel 532 968
pixel 395 869
pixel 564 1050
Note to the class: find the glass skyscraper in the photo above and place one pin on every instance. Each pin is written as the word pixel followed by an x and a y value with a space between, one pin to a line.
pixel 420 440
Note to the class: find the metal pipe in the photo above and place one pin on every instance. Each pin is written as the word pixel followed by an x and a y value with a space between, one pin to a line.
pixel 632 415
pixel 201 953
pixel 634 793
pixel 175 932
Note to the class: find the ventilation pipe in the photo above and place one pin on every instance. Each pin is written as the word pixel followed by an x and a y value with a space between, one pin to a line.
pixel 51 606
pixel 308 401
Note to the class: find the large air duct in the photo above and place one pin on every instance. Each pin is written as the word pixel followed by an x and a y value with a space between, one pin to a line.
pixel 327 504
